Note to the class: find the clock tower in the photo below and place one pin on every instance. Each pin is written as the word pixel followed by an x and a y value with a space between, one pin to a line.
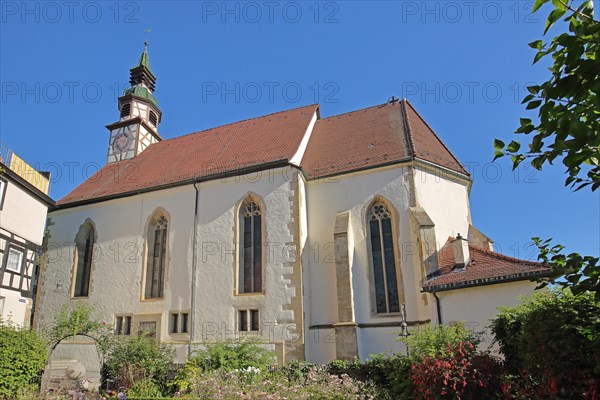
pixel 137 127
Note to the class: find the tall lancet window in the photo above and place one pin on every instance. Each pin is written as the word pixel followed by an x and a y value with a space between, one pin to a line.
pixel 250 263
pixel 84 242
pixel 157 255
pixel 383 256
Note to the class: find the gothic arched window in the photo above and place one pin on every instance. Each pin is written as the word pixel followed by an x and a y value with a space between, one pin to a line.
pixel 157 237
pixel 250 262
pixel 383 257
pixel 84 247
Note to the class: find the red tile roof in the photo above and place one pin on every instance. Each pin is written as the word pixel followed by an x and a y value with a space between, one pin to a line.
pixel 372 137
pixel 486 267
pixel 368 138
pixel 227 148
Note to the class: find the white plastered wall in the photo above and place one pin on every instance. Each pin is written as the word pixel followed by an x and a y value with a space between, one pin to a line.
pixel 23 214
pixel 354 192
pixel 476 306
pixel 117 270
pixel 445 198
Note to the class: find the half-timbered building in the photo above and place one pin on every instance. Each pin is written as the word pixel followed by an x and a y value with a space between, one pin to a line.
pixel 24 202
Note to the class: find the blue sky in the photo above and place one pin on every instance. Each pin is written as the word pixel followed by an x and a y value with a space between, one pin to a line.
pixel 464 65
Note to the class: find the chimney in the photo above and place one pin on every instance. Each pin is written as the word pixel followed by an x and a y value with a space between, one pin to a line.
pixel 462 258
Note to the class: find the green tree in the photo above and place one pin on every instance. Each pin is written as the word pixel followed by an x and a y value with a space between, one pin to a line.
pixel 567 127
pixel 22 359
pixel 554 337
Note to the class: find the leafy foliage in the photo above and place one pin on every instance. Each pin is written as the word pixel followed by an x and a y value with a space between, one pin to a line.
pixel 444 364
pixel 550 342
pixel 388 373
pixel 433 341
pixel 228 355
pixel 568 127
pixel 460 373
pixel 568 104
pixel 145 387
pixel 134 361
pixel 22 358
pixel 448 350
pixel 76 320
pixel 582 273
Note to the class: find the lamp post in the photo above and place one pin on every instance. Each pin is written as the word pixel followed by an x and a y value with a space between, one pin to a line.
pixel 404 329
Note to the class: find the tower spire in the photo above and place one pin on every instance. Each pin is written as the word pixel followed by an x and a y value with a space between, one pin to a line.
pixel 144 59
pixel 141 75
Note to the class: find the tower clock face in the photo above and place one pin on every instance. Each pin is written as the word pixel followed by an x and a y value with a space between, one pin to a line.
pixel 122 141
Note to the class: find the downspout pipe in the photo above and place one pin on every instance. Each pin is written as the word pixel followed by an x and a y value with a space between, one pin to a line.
pixel 438 304
pixel 194 273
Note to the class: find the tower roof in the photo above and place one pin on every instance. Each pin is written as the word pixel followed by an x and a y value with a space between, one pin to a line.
pixel 144 58
pixel 141 74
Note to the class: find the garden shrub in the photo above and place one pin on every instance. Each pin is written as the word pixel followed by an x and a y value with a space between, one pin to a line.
pixel 145 388
pixel 23 356
pixel 242 369
pixel 229 355
pixel 444 364
pixel 389 373
pixel 394 375
pixel 232 354
pixel 432 341
pixel 136 359
pixel 296 370
pixel 460 373
pixel 551 344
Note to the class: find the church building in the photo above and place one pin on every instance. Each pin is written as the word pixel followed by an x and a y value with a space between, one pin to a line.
pixel 321 236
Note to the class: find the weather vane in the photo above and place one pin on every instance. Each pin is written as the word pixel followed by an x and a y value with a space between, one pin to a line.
pixel 147 35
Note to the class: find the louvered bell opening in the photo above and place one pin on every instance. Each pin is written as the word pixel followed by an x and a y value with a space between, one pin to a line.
pixel 153 118
pixel 126 110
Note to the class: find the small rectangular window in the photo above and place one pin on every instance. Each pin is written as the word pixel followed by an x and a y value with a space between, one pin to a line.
pixel 243 321
pixel 14 260
pixel 127 326
pixel 123 325
pixel 248 321
pixel 254 322
pixel 174 322
pixel 119 326
pixel 178 322
pixel 184 322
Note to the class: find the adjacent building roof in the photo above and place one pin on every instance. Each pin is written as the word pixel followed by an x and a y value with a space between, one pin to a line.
pixel 17 178
pixel 368 138
pixel 486 267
